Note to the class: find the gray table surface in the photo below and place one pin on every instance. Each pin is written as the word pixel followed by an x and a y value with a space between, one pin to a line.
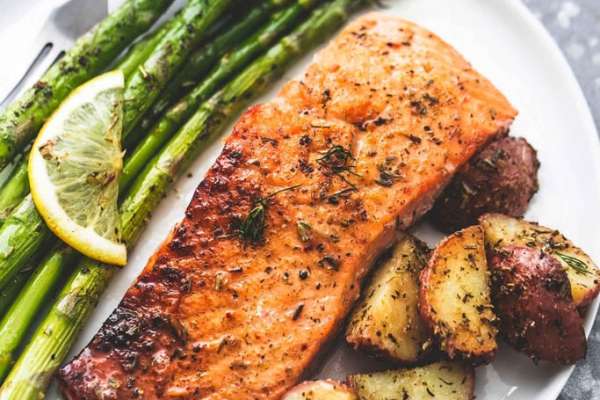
pixel 575 25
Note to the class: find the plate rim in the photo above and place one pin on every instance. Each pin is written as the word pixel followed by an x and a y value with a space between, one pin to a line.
pixel 520 10
pixel 519 13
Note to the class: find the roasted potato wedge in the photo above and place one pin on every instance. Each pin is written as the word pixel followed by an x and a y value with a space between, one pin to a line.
pixel 446 380
pixel 386 320
pixel 320 390
pixel 455 299
pixel 532 298
pixel 584 276
pixel 502 178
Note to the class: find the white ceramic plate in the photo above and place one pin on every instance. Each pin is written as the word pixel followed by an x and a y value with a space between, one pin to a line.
pixel 509 46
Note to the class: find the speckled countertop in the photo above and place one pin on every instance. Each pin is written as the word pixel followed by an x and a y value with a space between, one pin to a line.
pixel 575 24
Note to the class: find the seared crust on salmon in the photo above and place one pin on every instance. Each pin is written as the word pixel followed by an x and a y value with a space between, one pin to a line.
pixel 236 307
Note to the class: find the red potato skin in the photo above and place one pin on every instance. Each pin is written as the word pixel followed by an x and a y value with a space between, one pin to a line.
pixel 502 178
pixel 535 235
pixel 532 298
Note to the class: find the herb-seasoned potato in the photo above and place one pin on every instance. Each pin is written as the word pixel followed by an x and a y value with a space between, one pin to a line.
pixel 387 320
pixel 584 275
pixel 446 380
pixel 502 178
pixel 320 390
pixel 532 298
pixel 455 299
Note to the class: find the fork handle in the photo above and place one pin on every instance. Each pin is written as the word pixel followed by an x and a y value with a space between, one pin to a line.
pixel 42 61
pixel 92 53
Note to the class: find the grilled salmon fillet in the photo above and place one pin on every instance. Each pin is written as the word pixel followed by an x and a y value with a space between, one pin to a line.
pixel 307 192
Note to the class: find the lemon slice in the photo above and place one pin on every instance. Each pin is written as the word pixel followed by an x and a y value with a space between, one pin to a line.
pixel 74 169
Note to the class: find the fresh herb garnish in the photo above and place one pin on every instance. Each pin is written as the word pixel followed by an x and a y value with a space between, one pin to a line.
pixel 579 266
pixel 304 231
pixel 252 228
pixel 339 160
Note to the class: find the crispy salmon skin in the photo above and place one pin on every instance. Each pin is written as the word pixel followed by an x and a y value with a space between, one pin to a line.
pixel 234 306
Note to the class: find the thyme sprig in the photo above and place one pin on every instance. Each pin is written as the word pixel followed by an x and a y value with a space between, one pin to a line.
pixel 579 266
pixel 252 228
